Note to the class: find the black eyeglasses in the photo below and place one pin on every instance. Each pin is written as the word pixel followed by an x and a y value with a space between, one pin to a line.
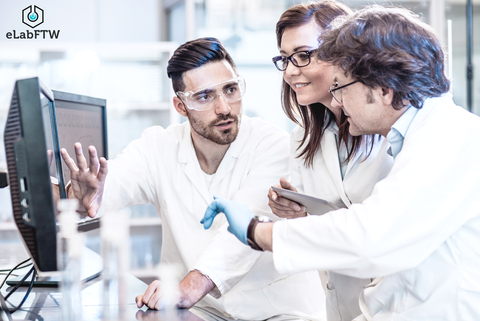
pixel 338 95
pixel 299 59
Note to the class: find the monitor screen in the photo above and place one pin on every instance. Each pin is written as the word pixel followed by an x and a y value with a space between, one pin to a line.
pixel 80 119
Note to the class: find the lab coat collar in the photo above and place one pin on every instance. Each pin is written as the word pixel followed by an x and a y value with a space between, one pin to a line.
pixel 192 169
pixel 333 128
pixel 399 130
pixel 330 156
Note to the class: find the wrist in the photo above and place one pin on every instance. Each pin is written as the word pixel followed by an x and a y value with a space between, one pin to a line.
pixel 252 237
pixel 193 288
pixel 263 236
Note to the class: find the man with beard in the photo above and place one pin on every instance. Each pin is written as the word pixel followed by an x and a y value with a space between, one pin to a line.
pixel 179 169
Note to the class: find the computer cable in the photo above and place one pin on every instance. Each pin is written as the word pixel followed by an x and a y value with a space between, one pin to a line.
pixel 6 271
pixel 19 284
pixel 16 267
pixel 32 281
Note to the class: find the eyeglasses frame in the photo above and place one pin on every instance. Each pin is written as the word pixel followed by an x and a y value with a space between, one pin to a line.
pixel 289 58
pixel 330 90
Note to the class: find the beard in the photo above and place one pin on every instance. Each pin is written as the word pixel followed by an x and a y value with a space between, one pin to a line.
pixel 210 132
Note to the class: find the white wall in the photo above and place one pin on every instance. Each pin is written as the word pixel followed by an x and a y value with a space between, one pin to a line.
pixel 87 20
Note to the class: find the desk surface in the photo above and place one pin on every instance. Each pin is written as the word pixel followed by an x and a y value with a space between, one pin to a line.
pixel 45 304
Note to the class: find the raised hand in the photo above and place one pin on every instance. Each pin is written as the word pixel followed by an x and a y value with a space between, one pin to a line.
pixel 87 180
pixel 238 216
pixel 283 207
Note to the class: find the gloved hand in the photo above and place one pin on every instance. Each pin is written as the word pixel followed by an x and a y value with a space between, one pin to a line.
pixel 238 216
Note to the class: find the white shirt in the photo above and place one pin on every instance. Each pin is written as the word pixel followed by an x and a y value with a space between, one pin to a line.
pixel 420 228
pixel 162 168
pixel 399 129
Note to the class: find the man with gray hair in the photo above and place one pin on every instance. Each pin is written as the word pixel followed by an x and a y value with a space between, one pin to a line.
pixel 420 228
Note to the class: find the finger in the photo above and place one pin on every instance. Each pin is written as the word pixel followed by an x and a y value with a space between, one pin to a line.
pixel 50 157
pixel 284 183
pixel 210 213
pixel 139 301
pixel 272 195
pixel 68 160
pixel 103 171
pixel 286 212
pixel 81 161
pixel 155 302
pixel 288 203
pixel 93 159
pixel 150 291
pixel 92 211
pixel 280 208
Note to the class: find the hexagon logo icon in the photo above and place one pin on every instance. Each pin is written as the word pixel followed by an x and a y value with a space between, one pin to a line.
pixel 32 16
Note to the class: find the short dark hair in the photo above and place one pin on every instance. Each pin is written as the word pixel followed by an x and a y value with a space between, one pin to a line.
pixel 194 54
pixel 388 48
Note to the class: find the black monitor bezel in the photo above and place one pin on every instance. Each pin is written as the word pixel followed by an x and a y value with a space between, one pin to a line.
pixel 35 218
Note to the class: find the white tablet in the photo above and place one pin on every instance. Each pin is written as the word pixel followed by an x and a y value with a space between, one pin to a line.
pixel 314 206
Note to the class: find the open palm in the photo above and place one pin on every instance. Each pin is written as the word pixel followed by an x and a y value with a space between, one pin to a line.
pixel 87 180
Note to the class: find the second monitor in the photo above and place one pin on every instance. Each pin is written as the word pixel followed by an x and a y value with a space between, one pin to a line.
pixel 80 119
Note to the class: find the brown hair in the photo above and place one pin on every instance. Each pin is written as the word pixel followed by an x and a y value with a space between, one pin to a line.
pixel 312 117
pixel 194 54
pixel 388 48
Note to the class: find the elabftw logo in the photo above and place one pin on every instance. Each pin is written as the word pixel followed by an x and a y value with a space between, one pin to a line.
pixel 33 16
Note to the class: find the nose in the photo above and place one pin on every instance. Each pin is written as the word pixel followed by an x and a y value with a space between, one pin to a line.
pixel 336 104
pixel 221 106
pixel 291 70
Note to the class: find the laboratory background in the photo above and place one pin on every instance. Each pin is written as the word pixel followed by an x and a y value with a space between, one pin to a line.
pixel 118 50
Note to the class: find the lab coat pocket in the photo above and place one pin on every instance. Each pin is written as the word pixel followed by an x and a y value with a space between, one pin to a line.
pixel 333 312
pixel 302 291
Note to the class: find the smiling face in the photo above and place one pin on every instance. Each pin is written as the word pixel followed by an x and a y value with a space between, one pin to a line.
pixel 310 83
pixel 369 110
pixel 222 123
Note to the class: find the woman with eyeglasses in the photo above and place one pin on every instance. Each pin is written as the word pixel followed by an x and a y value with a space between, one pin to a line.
pixel 326 161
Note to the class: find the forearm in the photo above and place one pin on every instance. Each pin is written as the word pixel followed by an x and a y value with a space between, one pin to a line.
pixel 193 288
pixel 263 235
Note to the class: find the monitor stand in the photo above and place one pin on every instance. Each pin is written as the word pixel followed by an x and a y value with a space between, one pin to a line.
pixel 92 267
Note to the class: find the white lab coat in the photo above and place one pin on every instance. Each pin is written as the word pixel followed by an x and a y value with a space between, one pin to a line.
pixel 324 180
pixel 162 168
pixel 420 228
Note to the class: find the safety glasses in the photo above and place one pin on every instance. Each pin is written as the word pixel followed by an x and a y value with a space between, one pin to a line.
pixel 206 98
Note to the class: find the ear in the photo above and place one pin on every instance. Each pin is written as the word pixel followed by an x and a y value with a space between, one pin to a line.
pixel 179 106
pixel 387 96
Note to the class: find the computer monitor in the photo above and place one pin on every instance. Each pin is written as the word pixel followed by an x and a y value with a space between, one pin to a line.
pixel 80 119
pixel 39 123
pixel 33 157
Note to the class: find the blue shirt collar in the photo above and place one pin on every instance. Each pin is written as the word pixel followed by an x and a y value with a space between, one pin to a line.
pixel 397 133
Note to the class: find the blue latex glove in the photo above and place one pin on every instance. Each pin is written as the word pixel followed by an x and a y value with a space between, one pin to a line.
pixel 238 216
